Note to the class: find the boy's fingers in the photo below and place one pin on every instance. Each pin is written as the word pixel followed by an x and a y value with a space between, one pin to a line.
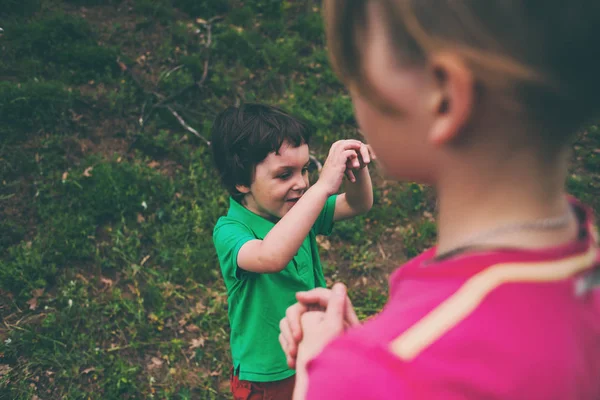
pixel 350 176
pixel 371 152
pixel 364 152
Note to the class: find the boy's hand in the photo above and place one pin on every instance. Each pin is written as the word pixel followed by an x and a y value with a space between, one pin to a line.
pixel 342 154
pixel 364 157
pixel 291 328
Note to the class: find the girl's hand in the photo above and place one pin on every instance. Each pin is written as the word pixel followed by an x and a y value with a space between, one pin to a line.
pixel 291 327
pixel 319 328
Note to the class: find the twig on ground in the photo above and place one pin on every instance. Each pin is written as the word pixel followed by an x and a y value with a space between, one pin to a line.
pixel 197 84
pixel 186 126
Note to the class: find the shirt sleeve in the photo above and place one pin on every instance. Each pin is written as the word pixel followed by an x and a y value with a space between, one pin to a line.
pixel 229 237
pixel 324 223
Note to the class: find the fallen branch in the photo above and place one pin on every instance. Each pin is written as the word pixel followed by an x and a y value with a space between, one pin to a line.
pixel 186 126
pixel 197 84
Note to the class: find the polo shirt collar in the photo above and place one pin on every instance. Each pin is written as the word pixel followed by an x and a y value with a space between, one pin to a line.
pixel 260 225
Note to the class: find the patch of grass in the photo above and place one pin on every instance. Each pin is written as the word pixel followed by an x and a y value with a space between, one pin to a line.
pixel 419 238
pixel 31 107
pixel 161 11
pixel 586 189
pixel 19 8
pixel 204 9
pixel 59 46
pixel 368 301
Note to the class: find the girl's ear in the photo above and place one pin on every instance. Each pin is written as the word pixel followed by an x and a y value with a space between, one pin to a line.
pixel 452 101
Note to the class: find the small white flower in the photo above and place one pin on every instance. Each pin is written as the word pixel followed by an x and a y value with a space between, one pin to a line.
pixel 45 307
pixel 72 283
pixel 144 205
pixel 8 341
pixel 97 349
pixel 152 380
pixel 70 303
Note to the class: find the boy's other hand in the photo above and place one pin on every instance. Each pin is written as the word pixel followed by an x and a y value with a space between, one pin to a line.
pixel 342 154
pixel 291 328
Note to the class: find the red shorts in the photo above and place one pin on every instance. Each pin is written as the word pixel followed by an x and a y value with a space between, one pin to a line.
pixel 277 390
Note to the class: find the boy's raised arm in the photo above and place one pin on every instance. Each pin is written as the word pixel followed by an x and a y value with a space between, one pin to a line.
pixel 274 252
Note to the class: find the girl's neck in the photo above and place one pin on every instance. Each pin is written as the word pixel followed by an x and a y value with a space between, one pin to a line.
pixel 480 193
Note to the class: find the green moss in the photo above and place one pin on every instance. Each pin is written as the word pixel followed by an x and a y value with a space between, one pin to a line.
pixel 28 108
pixel 204 9
pixel 19 8
pixel 59 46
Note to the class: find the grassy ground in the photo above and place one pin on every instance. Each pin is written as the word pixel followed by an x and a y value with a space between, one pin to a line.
pixel 109 285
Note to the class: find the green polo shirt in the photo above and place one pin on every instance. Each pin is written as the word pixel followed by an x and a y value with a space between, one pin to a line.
pixel 257 302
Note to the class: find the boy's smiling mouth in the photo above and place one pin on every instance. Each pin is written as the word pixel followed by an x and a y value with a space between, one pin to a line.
pixel 293 200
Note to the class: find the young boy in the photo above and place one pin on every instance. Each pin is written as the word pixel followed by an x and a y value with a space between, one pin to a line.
pixel 266 243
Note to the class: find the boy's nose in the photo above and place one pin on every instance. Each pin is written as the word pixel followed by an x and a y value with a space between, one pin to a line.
pixel 301 183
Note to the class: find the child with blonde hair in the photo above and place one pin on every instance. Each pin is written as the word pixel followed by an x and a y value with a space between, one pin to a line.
pixel 479 99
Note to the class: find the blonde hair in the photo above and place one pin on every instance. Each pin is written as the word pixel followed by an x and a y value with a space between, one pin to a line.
pixel 545 52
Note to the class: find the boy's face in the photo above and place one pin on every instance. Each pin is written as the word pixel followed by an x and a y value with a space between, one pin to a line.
pixel 279 181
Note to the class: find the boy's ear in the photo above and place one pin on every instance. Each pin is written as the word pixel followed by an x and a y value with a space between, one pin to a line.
pixel 242 189
pixel 452 101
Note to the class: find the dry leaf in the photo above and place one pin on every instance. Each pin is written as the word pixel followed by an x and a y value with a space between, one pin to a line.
pixel 197 343
pixel 87 171
pixel 144 260
pixel 199 308
pixel 83 278
pixel 107 282
pixel 32 303
pixel 153 164
pixel 156 363
pixel 324 243
pixel 140 218
pixel 65 175
pixel 4 369
pixel 122 66
pixel 200 21
pixel 88 370
pixel 37 293
pixel 192 328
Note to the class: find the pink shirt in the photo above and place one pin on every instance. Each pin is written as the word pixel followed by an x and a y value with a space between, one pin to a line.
pixel 506 324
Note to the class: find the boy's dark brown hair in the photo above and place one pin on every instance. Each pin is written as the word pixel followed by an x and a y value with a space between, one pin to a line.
pixel 243 136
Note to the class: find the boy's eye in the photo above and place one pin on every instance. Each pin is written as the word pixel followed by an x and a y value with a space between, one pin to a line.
pixel 285 175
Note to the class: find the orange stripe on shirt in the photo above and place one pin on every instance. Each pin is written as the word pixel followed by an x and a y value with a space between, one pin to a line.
pixel 467 298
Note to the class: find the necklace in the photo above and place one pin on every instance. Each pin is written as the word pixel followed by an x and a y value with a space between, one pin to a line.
pixel 543 224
